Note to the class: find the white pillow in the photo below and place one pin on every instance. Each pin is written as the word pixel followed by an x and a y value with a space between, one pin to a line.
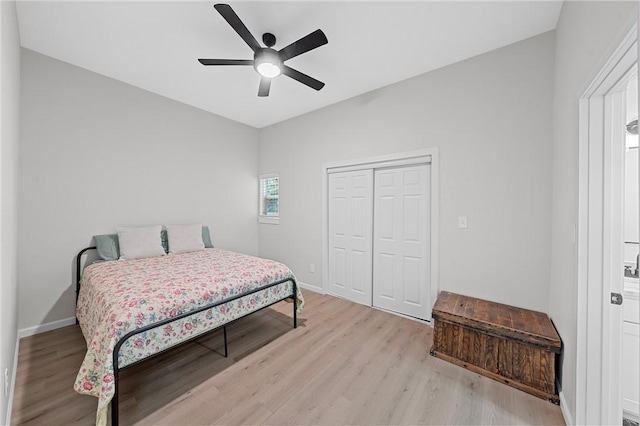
pixel 140 241
pixel 184 238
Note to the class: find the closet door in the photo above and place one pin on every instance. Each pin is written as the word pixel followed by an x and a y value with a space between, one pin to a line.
pixel 350 229
pixel 401 240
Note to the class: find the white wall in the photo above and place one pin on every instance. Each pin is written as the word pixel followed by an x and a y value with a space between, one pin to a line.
pixel 585 31
pixel 96 153
pixel 9 136
pixel 491 118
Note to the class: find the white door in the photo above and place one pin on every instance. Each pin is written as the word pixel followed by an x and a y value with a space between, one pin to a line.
pixel 350 215
pixel 401 240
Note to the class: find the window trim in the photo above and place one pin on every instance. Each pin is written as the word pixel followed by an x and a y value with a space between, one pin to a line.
pixel 272 220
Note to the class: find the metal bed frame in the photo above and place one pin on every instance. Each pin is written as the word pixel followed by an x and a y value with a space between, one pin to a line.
pixel 119 343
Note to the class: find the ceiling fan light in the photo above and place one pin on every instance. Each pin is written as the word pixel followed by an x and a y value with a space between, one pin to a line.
pixel 268 69
pixel 268 63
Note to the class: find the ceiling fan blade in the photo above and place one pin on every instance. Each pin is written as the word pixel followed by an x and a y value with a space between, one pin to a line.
pixel 302 78
pixel 226 61
pixel 265 85
pixel 305 44
pixel 230 16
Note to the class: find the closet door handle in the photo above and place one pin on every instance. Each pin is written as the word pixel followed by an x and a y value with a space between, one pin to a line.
pixel 616 299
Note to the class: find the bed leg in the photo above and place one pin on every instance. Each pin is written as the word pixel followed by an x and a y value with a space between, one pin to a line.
pixel 224 331
pixel 295 306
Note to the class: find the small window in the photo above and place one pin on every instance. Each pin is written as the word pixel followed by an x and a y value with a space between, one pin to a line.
pixel 269 199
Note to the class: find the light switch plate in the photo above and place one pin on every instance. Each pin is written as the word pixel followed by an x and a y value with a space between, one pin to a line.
pixel 462 222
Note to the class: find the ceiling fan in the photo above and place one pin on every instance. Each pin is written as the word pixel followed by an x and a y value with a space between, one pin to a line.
pixel 268 62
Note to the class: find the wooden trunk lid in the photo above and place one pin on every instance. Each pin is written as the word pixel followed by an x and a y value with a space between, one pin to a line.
pixel 500 320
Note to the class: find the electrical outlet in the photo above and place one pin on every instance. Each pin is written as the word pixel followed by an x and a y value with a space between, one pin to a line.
pixel 312 268
pixel 6 382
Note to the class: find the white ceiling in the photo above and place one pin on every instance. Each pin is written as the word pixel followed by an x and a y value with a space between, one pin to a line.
pixel 155 45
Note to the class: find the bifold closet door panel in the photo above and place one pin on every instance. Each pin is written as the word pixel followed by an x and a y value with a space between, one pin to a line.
pixel 401 240
pixel 350 235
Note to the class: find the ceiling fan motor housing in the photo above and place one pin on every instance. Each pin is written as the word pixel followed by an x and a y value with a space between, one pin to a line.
pixel 268 39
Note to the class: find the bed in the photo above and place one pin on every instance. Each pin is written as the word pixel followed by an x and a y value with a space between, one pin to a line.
pixel 131 310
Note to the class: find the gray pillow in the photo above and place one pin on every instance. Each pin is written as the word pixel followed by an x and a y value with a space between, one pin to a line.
pixel 108 247
pixel 164 239
pixel 206 238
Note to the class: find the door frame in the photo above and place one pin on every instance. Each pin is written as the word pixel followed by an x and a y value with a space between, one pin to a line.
pixel 600 238
pixel 429 156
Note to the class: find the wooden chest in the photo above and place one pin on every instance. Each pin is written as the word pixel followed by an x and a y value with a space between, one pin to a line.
pixel 515 346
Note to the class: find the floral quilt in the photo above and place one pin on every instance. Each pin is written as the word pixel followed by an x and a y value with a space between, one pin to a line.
pixel 117 297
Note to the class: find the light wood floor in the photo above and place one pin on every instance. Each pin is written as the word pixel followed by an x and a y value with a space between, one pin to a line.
pixel 344 364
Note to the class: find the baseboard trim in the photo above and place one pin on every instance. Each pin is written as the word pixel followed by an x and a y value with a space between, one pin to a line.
pixel 37 329
pixel 311 287
pixel 568 419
